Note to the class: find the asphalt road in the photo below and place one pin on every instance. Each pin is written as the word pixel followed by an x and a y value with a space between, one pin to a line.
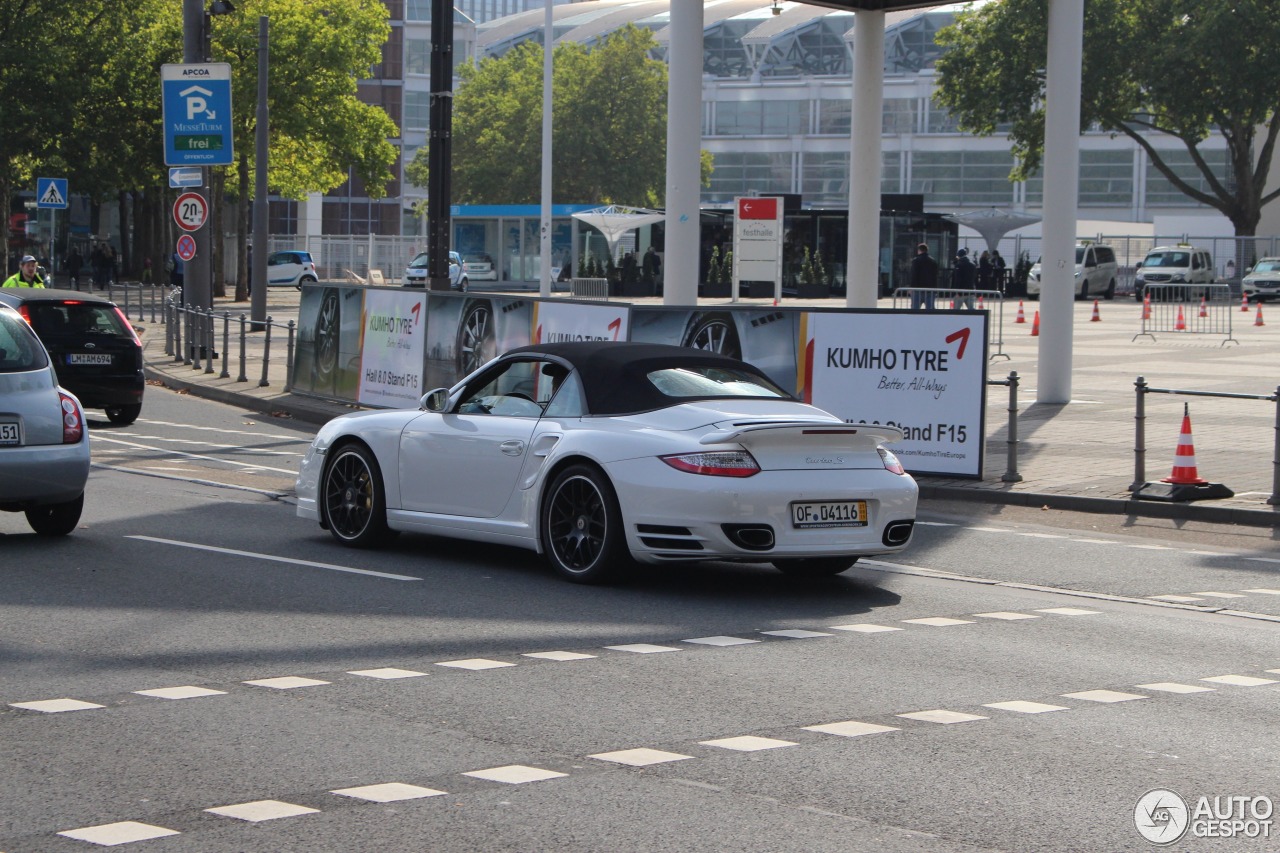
pixel 772 710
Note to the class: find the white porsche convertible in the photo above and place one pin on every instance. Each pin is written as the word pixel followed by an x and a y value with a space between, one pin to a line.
pixel 601 455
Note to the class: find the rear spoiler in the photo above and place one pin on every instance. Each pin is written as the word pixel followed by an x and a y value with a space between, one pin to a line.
pixel 858 434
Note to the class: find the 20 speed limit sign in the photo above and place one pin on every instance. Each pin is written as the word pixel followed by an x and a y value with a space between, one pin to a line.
pixel 190 211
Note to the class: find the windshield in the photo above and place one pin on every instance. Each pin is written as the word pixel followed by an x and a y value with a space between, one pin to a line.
pixel 1267 266
pixel 1168 259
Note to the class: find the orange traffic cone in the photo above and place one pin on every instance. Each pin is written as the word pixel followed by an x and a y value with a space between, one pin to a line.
pixel 1096 318
pixel 1184 459
pixel 1204 311
pixel 1181 325
pixel 980 306
pixel 1022 318
pixel 1146 306
pixel 1244 303
pixel 1184 483
pixel 1258 320
pixel 1035 326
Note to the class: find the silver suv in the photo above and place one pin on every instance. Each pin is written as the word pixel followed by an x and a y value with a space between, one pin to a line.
pixel 1095 272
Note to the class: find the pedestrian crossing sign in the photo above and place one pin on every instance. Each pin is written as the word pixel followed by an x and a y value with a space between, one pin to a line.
pixel 51 192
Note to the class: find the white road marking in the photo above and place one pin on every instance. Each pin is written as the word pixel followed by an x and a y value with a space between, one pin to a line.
pixel 388 792
pixel 1220 594
pixel 796 634
pixel 850 728
pixel 55 706
pixel 1175 687
pixel 185 455
pixel 1180 599
pixel 287 682
pixel 1262 559
pixel 1006 615
pixel 1240 680
pixel 261 810
pixel 640 757
pixel 475 664
pixel 1105 696
pixel 946 718
pixel 180 692
pixel 223 430
pixel 721 641
pixel 1068 611
pixel 272 558
pixel 642 648
pixel 388 673
pixel 124 832
pixel 1265 591
pixel 1021 707
pixel 557 656
pixel 515 774
pixel 208 444
pixel 865 628
pixel 747 743
pixel 938 621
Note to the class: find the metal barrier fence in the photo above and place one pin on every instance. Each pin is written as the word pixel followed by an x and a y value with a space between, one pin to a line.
pixel 133 298
pixel 199 330
pixel 1140 417
pixel 1192 309
pixel 931 298
pixel 589 288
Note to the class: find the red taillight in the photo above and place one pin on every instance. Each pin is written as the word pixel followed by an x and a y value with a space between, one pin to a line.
pixel 129 326
pixel 718 463
pixel 26 313
pixel 72 420
pixel 890 461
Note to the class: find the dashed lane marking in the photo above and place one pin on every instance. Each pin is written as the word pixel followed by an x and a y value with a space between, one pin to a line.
pixel 721 641
pixel 1240 680
pixel 796 634
pixel 642 757
pixel 56 706
pixel 851 728
pixel 643 648
pixel 1175 687
pixel 202 457
pixel 124 832
pixel 388 792
pixel 272 558
pixel 514 774
pixel 1104 696
pixel 1019 706
pixel 938 621
pixel 557 656
pixel 186 692
pixel 387 673
pixel 287 682
pixel 943 717
pixel 261 810
pixel 475 664
pixel 748 743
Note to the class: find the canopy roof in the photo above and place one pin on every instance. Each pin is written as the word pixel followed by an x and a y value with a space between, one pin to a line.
pixel 615 220
pixel 993 222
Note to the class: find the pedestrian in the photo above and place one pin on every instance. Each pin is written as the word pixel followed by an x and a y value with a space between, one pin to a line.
pixel 1000 269
pixel 74 264
pixel 177 275
pixel 924 278
pixel 986 270
pixel 26 276
pixel 963 279
pixel 146 270
pixel 652 265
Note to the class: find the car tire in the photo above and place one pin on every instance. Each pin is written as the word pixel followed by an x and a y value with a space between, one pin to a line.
pixel 1111 291
pixel 714 332
pixel 464 284
pixel 353 502
pixel 476 338
pixel 123 415
pixel 580 526
pixel 814 567
pixel 56 519
pixel 1084 289
pixel 306 279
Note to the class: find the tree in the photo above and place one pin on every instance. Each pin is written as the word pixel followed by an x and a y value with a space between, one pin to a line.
pixel 608 139
pixel 1177 68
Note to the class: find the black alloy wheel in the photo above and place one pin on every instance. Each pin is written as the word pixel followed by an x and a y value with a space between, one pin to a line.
pixel 581 527
pixel 475 344
pixel 714 333
pixel 352 500
pixel 328 327
pixel 814 567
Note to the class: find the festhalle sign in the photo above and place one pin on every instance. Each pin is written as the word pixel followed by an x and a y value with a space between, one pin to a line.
pixel 924 372
pixel 757 242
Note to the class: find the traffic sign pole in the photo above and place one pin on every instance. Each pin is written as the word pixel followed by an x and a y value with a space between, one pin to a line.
pixel 197 277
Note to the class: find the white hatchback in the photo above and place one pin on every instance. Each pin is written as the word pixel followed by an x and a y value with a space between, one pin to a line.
pixel 44 446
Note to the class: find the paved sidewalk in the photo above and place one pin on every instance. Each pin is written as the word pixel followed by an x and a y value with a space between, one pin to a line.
pixel 1077 456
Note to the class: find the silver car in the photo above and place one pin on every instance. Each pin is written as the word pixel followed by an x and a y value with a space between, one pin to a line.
pixel 44 444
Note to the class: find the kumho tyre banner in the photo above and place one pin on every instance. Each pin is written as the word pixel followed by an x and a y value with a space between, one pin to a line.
pixel 922 372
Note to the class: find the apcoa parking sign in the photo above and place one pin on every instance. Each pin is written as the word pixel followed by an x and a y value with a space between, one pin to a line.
pixel 197 114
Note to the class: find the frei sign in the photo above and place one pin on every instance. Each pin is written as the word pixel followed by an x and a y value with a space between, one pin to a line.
pixel 196 102
pixel 757 242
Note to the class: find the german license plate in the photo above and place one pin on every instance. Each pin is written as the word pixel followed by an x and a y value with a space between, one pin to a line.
pixel 9 433
pixel 89 358
pixel 813 514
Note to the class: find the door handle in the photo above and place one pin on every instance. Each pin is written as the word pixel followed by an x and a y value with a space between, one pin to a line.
pixel 513 447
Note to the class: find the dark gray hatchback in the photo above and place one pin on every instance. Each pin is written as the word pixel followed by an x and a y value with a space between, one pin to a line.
pixel 94 349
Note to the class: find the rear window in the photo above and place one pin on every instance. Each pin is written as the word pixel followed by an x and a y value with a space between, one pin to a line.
pixel 1105 255
pixel 19 349
pixel 51 319
pixel 703 383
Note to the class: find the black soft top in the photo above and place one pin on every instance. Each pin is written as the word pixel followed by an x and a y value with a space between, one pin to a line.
pixel 614 373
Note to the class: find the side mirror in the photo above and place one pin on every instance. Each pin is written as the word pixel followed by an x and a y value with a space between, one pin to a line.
pixel 435 401
pixel 1138 265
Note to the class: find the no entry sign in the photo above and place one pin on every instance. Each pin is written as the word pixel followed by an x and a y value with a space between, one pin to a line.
pixel 190 211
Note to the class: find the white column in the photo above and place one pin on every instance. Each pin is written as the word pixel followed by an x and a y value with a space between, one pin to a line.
pixel 684 142
pixel 1061 186
pixel 548 32
pixel 862 272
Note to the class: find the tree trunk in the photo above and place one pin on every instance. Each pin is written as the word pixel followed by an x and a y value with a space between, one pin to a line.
pixel 122 212
pixel 242 232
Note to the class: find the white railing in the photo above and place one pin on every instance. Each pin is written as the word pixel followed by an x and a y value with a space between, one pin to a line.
pixel 1188 309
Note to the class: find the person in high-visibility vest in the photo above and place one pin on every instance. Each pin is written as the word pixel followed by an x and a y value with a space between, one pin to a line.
pixel 26 276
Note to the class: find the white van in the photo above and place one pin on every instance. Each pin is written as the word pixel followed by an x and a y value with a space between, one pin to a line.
pixel 1180 264
pixel 1095 272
